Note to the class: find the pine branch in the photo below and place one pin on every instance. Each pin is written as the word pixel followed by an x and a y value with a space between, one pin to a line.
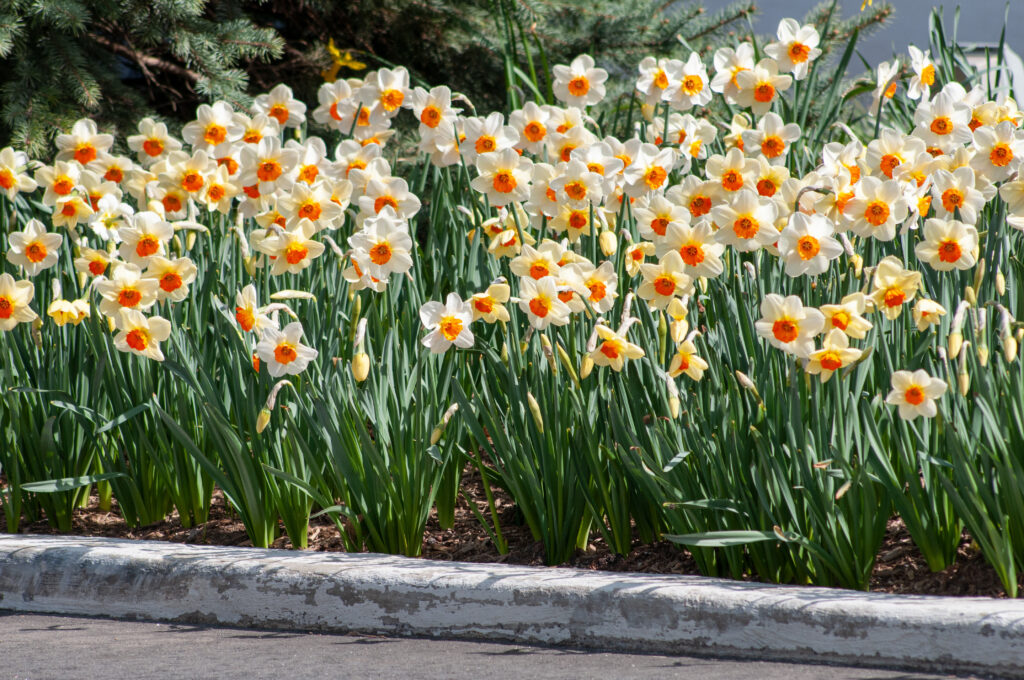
pixel 145 61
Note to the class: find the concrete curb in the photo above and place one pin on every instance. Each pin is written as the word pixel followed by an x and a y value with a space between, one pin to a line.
pixel 399 596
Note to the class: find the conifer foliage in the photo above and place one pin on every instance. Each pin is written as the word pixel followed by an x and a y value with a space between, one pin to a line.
pixel 114 60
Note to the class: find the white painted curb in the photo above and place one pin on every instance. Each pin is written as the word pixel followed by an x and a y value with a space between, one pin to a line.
pixel 400 596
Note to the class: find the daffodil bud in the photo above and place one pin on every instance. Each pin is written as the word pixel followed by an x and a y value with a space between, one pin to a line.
pixel 662 336
pixel 970 295
pixel 563 356
pixel 1000 282
pixel 979 275
pixel 1009 348
pixel 504 353
pixel 746 383
pixel 538 419
pixel 111 324
pixel 190 240
pixel 545 345
pixel 609 244
pixel 262 420
pixel 963 378
pixel 360 366
pixel 586 367
pixel 438 432
pixel 250 265
pixel 673 407
pixel 980 337
pixel 858 265
pixel 956 341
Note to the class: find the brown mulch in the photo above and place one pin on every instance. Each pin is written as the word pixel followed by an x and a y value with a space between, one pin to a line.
pixel 900 567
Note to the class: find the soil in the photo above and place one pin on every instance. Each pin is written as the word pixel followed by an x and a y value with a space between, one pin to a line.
pixel 900 567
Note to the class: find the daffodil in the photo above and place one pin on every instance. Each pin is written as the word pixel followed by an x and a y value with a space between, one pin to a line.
pixel 808 245
pixel 920 86
pixel 387 242
pixel 927 313
pixel 915 394
pixel 746 222
pixel 759 86
pixel 788 325
pixel 173 276
pixel 504 177
pixel 84 143
pixel 685 361
pixel 15 297
pixel 126 289
pixel 33 249
pixel 65 312
pixel 696 245
pixel 876 209
pixel 893 286
pixel 580 83
pixel 613 349
pixel 283 352
pixel 448 324
pixel 847 316
pixel 141 335
pixel 948 244
pixel 796 48
pixel 664 281
pixel 145 237
pixel 13 176
pixel 835 353
pixel 490 304
pixel 689 84
pixel 539 300
pixel 281 105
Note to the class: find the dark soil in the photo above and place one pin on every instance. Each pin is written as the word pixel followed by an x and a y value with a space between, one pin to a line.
pixel 900 567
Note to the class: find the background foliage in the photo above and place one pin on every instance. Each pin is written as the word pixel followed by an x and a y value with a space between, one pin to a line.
pixel 118 60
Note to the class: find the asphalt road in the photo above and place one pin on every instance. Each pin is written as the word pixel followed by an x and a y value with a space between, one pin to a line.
pixel 35 647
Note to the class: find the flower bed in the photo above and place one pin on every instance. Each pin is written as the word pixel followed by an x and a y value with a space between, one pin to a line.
pixel 700 313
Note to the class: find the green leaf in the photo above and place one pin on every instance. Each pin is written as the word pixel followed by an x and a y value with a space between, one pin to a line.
pixel 69 483
pixel 723 539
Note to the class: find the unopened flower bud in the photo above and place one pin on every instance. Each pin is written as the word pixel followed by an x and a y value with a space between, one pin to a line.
pixel 190 240
pixel 858 265
pixel 673 407
pixel 545 345
pixel 360 366
pixel 746 383
pixel 586 367
pixel 963 378
pixel 1000 282
pixel 538 419
pixel 609 244
pixel 956 341
pixel 979 274
pixel 262 420
pixel 563 357
pixel 970 295
pixel 1009 348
